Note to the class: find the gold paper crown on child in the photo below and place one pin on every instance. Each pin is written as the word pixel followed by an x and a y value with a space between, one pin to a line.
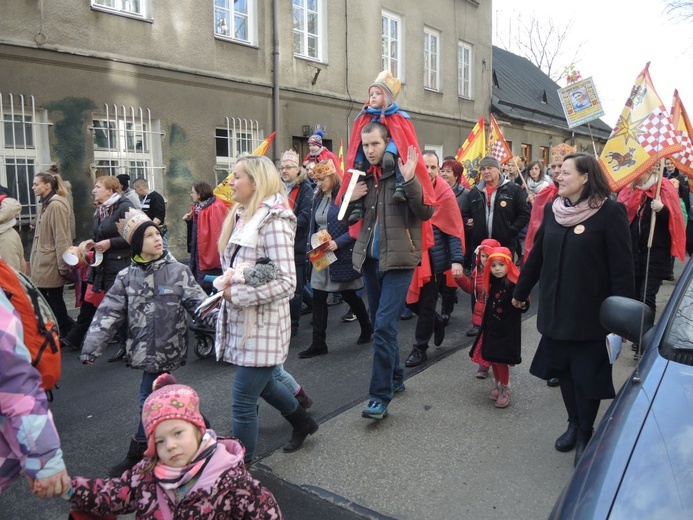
pixel 291 156
pixel 559 151
pixel 324 169
pixel 127 225
pixel 390 83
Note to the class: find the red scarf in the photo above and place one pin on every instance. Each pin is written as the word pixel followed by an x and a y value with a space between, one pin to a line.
pixel 633 198
pixel 448 219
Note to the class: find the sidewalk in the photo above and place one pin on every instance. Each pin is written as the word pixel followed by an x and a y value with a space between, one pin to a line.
pixel 445 451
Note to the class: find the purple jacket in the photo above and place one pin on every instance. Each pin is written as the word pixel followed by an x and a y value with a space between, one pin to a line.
pixel 28 438
pixel 224 490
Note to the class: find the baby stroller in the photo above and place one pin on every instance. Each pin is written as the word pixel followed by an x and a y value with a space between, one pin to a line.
pixel 204 336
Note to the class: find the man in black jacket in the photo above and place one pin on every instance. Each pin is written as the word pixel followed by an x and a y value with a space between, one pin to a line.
pixel 498 207
pixel 153 205
pixel 445 254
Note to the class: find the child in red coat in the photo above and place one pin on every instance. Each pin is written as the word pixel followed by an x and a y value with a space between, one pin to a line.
pixel 474 285
pixel 499 339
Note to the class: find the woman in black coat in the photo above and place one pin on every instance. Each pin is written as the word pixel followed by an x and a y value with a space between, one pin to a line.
pixel 339 276
pixel 111 207
pixel 582 254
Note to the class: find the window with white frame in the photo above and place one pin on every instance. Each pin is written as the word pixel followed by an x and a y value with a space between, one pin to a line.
pixel 464 70
pixel 431 59
pixel 133 8
pixel 392 44
pixel 232 139
pixel 308 32
pixel 127 141
pixel 236 20
pixel 23 149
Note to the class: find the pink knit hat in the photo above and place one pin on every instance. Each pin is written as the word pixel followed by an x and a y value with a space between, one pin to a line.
pixel 169 401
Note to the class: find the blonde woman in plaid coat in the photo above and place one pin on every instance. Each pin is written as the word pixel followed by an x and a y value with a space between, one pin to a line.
pixel 254 324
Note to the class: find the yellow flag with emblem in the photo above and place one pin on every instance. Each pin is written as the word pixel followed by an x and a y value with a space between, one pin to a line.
pixel 643 134
pixel 472 151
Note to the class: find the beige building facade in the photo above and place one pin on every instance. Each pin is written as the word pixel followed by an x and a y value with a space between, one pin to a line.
pixel 174 91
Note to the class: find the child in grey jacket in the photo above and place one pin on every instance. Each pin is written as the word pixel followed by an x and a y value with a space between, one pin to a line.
pixel 153 295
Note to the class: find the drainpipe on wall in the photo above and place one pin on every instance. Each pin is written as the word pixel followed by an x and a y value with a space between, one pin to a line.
pixel 275 75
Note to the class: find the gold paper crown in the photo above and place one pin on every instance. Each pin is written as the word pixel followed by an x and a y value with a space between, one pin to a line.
pixel 558 152
pixel 389 83
pixel 324 169
pixel 291 156
pixel 127 225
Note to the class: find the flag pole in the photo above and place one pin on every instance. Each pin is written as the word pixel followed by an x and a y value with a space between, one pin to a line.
pixel 594 146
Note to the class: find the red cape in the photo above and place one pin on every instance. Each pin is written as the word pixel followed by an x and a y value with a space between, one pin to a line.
pixel 543 197
pixel 632 198
pixel 403 135
pixel 448 219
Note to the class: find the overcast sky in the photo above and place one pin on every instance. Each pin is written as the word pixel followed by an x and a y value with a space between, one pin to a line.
pixel 617 37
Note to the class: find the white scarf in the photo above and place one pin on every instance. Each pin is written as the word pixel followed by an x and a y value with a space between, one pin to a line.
pixel 245 233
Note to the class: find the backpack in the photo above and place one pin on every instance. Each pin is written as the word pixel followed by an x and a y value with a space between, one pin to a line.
pixel 41 335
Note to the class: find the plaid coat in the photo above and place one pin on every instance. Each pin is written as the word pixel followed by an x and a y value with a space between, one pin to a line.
pixel 254 329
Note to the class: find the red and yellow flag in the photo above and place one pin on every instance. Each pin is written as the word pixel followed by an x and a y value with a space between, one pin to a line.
pixel 264 145
pixel 684 131
pixel 340 157
pixel 643 134
pixel 472 151
pixel 497 145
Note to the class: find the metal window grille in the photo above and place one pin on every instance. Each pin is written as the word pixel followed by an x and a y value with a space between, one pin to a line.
pixel 124 143
pixel 235 138
pixel 23 128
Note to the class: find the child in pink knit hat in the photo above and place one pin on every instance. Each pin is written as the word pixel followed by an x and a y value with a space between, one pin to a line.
pixel 186 473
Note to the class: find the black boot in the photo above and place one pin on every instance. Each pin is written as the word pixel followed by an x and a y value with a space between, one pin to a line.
pixel 361 313
pixel 318 347
pixel 118 355
pixel 566 442
pixel 303 398
pixel 135 454
pixel 583 438
pixel 303 425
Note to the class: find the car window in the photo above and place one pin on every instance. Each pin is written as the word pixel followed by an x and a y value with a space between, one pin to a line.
pixel 680 331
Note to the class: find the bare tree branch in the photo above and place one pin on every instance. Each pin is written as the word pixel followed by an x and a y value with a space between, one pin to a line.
pixel 680 8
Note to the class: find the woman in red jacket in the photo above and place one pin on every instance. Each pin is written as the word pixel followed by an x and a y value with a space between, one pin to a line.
pixel 205 220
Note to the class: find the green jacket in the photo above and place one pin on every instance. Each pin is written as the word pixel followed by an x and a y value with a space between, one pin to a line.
pixel 399 233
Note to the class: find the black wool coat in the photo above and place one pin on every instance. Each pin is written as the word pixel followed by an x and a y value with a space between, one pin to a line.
pixel 500 335
pixel 577 268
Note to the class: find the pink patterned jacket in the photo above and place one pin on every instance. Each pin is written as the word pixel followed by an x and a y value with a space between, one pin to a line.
pixel 224 490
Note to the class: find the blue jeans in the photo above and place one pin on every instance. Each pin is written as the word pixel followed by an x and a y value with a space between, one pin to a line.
pixel 387 292
pixel 250 384
pixel 282 376
pixel 148 379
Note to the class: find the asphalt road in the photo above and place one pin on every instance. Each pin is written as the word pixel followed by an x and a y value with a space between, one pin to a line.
pixel 96 409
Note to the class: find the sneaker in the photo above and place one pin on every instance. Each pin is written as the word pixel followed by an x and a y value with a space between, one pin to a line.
pixel 482 372
pixel 503 396
pixel 349 316
pixel 398 387
pixel 334 299
pixel 374 410
pixel 474 331
pixel 495 391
